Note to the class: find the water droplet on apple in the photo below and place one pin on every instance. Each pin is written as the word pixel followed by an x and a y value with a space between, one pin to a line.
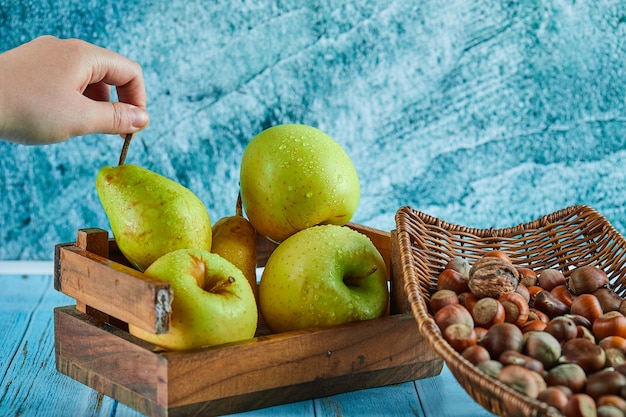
pixel 309 194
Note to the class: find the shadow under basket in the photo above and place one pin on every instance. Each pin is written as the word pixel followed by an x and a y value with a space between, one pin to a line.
pixel 563 240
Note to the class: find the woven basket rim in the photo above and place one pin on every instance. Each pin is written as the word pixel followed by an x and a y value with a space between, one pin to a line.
pixel 418 235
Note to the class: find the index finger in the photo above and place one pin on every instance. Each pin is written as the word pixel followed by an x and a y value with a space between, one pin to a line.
pixel 125 74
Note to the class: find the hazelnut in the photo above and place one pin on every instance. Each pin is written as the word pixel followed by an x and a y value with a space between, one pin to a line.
pixel 451 314
pixel 460 336
pixel 562 328
pixel 501 337
pixel 442 298
pixel 549 304
pixel 497 253
pixel 555 396
pixel 487 312
pixel 570 375
pixel 491 367
pixel 587 305
pixel 513 357
pixel 612 400
pixel 523 291
pixel 450 279
pixel 533 326
pixel 604 382
pixel 612 323
pixel 527 277
pixel 460 265
pixel 609 299
pixel 542 346
pixel 561 293
pixel 523 380
pixel 476 354
pixel 580 405
pixel 550 278
pixel 515 308
pixel 586 279
pixel 585 353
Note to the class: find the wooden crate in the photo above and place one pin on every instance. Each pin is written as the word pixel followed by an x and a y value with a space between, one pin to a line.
pixel 93 346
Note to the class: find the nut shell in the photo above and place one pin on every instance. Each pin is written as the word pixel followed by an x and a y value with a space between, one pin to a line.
pixel 586 279
pixel 491 277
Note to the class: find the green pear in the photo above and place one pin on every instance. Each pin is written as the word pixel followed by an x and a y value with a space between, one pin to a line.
pixel 151 215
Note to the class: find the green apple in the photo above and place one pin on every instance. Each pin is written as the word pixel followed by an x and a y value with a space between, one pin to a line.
pixel 151 215
pixel 213 302
pixel 296 176
pixel 320 276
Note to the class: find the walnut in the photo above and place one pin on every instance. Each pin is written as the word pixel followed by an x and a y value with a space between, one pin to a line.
pixel 492 277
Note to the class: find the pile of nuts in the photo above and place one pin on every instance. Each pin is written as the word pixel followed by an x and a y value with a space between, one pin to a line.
pixel 561 341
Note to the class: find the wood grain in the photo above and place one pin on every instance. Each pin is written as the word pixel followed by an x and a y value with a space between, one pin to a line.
pixel 241 376
pixel 111 288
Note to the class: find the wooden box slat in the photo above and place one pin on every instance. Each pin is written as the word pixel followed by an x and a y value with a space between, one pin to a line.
pixel 267 370
pixel 113 288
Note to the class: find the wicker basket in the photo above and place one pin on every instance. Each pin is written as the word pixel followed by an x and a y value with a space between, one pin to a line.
pixel 563 240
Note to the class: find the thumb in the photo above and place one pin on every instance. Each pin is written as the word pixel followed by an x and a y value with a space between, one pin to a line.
pixel 116 118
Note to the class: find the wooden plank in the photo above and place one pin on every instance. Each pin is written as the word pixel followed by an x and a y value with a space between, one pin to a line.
pixel 389 401
pixel 444 396
pixel 93 240
pixel 112 288
pixel 29 383
pixel 293 358
pixel 100 356
pixel 270 398
pixel 278 368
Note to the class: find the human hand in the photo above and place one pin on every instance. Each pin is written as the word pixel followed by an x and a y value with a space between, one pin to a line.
pixel 53 89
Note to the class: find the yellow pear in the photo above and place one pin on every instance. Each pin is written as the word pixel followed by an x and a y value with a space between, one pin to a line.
pixel 234 239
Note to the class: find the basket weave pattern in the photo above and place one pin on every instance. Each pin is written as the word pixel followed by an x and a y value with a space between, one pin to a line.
pixel 563 240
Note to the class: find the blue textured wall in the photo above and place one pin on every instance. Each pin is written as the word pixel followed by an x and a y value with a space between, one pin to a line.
pixel 484 113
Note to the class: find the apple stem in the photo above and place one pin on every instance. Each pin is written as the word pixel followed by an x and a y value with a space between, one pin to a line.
pixel 223 284
pixel 127 140
pixel 354 280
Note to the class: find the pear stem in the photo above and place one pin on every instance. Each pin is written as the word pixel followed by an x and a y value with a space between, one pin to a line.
pixel 127 140
pixel 238 208
pixel 355 280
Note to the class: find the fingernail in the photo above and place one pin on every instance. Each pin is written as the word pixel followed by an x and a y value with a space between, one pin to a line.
pixel 140 117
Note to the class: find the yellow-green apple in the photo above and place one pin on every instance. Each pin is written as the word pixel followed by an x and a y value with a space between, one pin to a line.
pixel 320 276
pixel 213 302
pixel 150 214
pixel 295 176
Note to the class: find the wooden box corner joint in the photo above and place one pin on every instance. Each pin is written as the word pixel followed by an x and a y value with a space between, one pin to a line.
pixel 110 291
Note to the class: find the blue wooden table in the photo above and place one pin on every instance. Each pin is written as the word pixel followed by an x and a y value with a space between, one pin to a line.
pixel 31 386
